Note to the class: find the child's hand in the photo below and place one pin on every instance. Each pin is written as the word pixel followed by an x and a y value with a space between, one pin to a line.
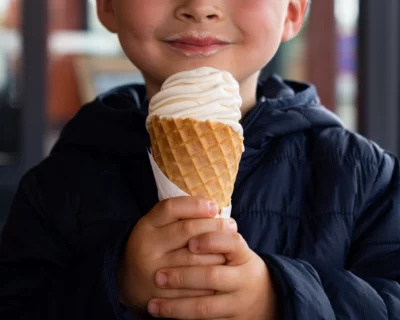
pixel 160 240
pixel 244 286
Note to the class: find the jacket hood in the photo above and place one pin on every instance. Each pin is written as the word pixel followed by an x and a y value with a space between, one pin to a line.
pixel 115 121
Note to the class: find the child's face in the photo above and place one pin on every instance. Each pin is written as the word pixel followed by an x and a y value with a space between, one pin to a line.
pixel 157 35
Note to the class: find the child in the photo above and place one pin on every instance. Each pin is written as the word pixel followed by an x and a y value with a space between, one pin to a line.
pixel 316 229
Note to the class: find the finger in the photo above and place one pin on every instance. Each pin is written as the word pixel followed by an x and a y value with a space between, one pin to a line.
pixel 184 258
pixel 174 209
pixel 209 307
pixel 182 231
pixel 231 244
pixel 218 278
pixel 182 293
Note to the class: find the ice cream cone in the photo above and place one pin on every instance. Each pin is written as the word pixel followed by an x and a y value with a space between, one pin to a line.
pixel 200 157
pixel 196 136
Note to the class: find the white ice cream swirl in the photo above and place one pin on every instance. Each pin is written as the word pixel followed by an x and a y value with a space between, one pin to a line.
pixel 201 94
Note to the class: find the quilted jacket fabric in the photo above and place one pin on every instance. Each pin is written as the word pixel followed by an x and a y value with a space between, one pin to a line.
pixel 320 205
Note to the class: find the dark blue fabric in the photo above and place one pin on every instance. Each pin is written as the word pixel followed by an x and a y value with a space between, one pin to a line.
pixel 320 204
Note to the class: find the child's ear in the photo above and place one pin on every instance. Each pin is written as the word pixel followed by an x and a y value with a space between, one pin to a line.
pixel 296 12
pixel 106 14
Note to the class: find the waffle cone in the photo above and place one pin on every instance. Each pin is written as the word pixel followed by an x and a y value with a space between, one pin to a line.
pixel 200 157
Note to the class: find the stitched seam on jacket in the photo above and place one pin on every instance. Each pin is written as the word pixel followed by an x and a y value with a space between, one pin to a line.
pixel 395 244
pixel 326 157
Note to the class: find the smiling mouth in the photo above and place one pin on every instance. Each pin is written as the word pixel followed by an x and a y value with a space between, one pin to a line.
pixel 196 46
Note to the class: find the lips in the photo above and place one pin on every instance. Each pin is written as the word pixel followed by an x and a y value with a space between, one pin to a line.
pixel 196 45
pixel 199 42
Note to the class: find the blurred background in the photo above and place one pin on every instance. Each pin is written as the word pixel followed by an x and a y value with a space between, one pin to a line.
pixel 55 56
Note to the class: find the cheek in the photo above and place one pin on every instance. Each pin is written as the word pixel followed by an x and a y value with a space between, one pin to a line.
pixel 137 19
pixel 262 36
pixel 267 20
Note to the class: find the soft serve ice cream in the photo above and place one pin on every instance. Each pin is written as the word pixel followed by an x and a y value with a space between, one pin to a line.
pixel 202 94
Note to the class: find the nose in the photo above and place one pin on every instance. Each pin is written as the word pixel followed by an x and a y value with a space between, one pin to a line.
pixel 199 11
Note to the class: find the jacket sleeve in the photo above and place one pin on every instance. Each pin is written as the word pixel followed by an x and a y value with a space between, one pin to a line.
pixel 368 287
pixel 40 278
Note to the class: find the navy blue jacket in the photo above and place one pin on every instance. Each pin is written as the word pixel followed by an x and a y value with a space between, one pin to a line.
pixel 320 204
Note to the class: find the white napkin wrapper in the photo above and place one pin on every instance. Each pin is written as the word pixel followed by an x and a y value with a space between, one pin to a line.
pixel 167 189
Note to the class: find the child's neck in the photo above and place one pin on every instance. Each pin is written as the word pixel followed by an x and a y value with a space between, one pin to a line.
pixel 248 92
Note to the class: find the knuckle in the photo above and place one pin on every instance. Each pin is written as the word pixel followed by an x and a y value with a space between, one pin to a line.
pixel 191 259
pixel 162 294
pixel 187 227
pixel 200 205
pixel 221 224
pixel 143 225
pixel 207 242
pixel 177 279
pixel 213 276
pixel 237 238
pixel 165 309
pixel 167 206
pixel 202 310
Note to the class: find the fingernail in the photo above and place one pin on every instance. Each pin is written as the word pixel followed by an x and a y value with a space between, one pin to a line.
pixel 161 279
pixel 193 244
pixel 153 309
pixel 213 208
pixel 232 225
